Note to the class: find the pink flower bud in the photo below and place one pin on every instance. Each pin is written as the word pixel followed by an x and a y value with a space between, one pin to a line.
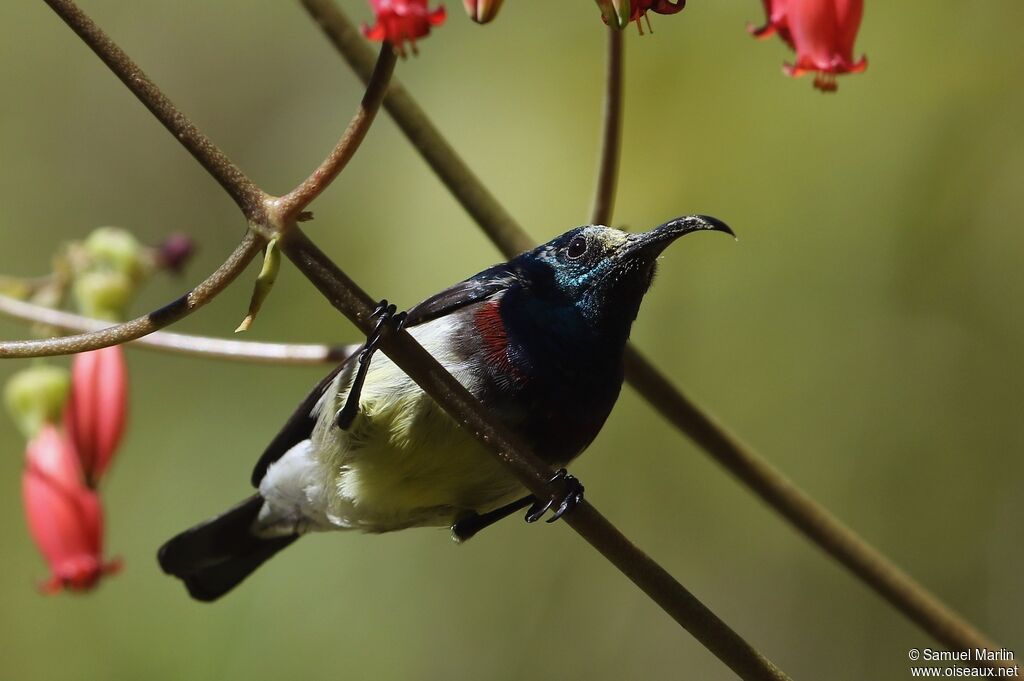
pixel 822 32
pixel 97 409
pixel 64 516
pixel 401 21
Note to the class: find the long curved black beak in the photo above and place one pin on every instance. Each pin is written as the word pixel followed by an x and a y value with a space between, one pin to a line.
pixel 653 242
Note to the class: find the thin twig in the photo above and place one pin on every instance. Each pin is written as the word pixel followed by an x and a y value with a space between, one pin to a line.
pixel 141 326
pixel 457 176
pixel 654 580
pixel 818 524
pixel 611 133
pixel 246 194
pixel 184 344
pixel 292 203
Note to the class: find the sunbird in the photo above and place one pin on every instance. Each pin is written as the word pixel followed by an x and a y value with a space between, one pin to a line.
pixel 539 340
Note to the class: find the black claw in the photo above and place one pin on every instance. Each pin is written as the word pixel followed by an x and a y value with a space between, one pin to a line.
pixel 398 321
pixel 386 316
pixel 572 498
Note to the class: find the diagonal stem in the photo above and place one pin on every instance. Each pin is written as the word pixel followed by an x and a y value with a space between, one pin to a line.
pixel 292 203
pixel 611 134
pixel 410 356
pixel 820 526
pixel 180 343
pixel 808 516
pixel 246 194
pixel 146 324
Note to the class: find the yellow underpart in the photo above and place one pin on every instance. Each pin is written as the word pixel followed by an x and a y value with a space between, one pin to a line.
pixel 404 461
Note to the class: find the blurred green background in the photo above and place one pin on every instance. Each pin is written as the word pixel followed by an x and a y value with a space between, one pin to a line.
pixel 864 334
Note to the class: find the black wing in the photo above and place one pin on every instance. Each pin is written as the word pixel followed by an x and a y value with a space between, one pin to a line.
pixel 473 290
pixel 299 426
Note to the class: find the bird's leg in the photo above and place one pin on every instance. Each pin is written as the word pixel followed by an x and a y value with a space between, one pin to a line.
pixel 386 317
pixel 573 496
pixel 464 528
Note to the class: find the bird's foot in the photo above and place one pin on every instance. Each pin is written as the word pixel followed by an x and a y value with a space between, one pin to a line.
pixel 572 498
pixel 388 318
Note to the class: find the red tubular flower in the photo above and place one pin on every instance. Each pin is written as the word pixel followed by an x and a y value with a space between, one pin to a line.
pixel 97 409
pixel 64 516
pixel 822 32
pixel 399 21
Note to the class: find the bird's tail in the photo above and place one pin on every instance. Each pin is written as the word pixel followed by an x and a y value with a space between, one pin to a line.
pixel 215 556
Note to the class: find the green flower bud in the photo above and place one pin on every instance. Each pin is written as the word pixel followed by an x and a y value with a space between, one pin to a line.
pixel 116 249
pixel 616 13
pixel 103 294
pixel 36 396
pixel 14 288
pixel 482 11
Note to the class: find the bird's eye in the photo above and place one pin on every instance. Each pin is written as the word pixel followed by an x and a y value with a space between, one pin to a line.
pixel 577 247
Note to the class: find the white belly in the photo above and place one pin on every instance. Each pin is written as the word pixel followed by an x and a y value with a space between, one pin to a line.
pixel 403 463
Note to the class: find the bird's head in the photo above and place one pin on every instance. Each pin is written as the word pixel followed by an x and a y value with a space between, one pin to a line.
pixel 605 272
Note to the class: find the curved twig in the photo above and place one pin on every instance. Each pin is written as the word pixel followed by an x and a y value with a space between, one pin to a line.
pixel 246 194
pixel 292 203
pixel 611 134
pixel 817 523
pixel 146 324
pixel 180 343
pixel 654 580
pixel 456 176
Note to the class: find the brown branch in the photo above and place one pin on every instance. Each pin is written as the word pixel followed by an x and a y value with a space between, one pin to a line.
pixel 246 194
pixel 410 356
pixel 183 344
pixel 817 524
pixel 141 326
pixel 611 134
pixel 824 529
pixel 292 203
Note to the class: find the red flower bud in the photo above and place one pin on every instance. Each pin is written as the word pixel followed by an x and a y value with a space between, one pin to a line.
pixel 822 32
pixel 97 409
pixel 64 516
pixel 613 11
pixel 640 8
pixel 399 21
pixel 174 252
